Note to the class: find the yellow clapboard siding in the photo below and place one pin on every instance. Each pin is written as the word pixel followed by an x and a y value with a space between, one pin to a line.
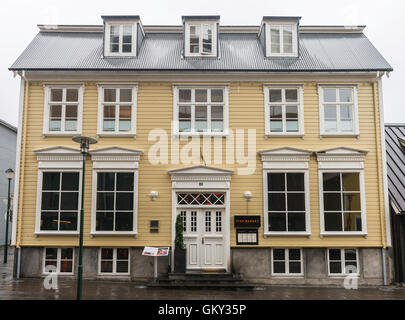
pixel 246 111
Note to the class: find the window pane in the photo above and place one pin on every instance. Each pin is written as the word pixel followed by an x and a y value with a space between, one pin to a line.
pixel 276 181
pixel 275 40
pixel 122 253
pixel 346 126
pixel 50 201
pixel 125 181
pixel 51 253
pixel 335 254
pixel 333 221
pixel 125 95
pixel 331 181
pixel 329 95
pixel 71 118
pixel 194 39
pixel 276 112
pixel 201 95
pixel 72 95
pixel 295 182
pixel 217 125
pixel 350 254
pixel 106 266
pixel 276 126
pixel 335 267
pixel 50 181
pixel 107 253
pixel 332 201
pixel 279 267
pixel 276 202
pixel 296 201
pixel 127 39
pixel 201 125
pixel 292 126
pixel 68 221
pixel 279 254
pixel 330 126
pixel 275 95
pixel 345 95
pixel 56 94
pixel 292 112
pixel 105 181
pixel 114 38
pixel 122 266
pixel 55 125
pixel 330 112
pixel 110 95
pixel 185 95
pixel 125 118
pixel 49 221
pixel 294 254
pixel 125 201
pixel 295 267
pixel 217 95
pixel 66 266
pixel 201 112
pixel 105 201
pixel 352 221
pixel 184 126
pixel 104 221
pixel 217 112
pixel 351 202
pixel 109 118
pixel 124 221
pixel 351 181
pixel 287 39
pixel 277 222
pixel 207 39
pixel 66 253
pixel 69 200
pixel 296 221
pixel 184 112
pixel 70 181
pixel 346 112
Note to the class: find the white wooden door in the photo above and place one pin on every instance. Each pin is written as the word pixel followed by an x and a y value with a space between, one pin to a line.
pixel 204 238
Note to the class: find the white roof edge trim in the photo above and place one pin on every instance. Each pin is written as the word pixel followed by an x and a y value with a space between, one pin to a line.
pixel 179 29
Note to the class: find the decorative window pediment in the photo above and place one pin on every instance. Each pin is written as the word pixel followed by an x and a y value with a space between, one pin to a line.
pixel 341 157
pixel 285 157
pixel 115 157
pixel 58 157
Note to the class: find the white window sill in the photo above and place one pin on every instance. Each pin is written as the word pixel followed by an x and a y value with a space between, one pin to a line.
pixel 288 276
pixel 342 275
pixel 344 234
pixel 56 233
pixel 284 135
pixel 288 234
pixel 113 233
pixel 61 134
pixel 201 134
pixel 339 135
pixel 116 135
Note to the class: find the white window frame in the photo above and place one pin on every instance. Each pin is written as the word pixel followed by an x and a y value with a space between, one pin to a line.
pixel 355 112
pixel 58 259
pixel 362 203
pixel 281 25
pixel 135 202
pixel 39 203
pixel 286 160
pixel 286 262
pixel 47 97
pixel 116 133
pixel 209 133
pixel 114 260
pixel 200 24
pixel 342 261
pixel 300 103
pixel 107 33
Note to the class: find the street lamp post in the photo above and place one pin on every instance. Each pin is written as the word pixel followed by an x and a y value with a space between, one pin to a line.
pixel 84 150
pixel 10 176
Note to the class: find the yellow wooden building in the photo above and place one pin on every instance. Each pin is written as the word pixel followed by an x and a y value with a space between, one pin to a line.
pixel 277 125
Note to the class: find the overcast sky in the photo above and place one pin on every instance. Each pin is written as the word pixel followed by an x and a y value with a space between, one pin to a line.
pixel 383 18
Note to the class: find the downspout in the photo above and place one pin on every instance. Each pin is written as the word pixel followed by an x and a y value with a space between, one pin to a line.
pixel 23 130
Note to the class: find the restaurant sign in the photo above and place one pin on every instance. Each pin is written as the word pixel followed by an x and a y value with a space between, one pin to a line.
pixel 247 221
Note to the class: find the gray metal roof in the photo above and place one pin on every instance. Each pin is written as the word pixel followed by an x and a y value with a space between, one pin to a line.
pixel 396 164
pixel 237 52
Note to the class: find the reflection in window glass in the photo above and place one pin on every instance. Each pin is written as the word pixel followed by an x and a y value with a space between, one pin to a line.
pixel 117 109
pixel 283 109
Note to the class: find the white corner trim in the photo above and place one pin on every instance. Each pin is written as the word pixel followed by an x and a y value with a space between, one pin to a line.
pixel 18 162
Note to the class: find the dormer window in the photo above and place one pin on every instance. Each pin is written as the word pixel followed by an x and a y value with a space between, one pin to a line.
pixel 280 36
pixel 200 36
pixel 121 36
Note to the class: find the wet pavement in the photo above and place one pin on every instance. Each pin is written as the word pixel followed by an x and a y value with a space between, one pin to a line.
pixel 33 289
